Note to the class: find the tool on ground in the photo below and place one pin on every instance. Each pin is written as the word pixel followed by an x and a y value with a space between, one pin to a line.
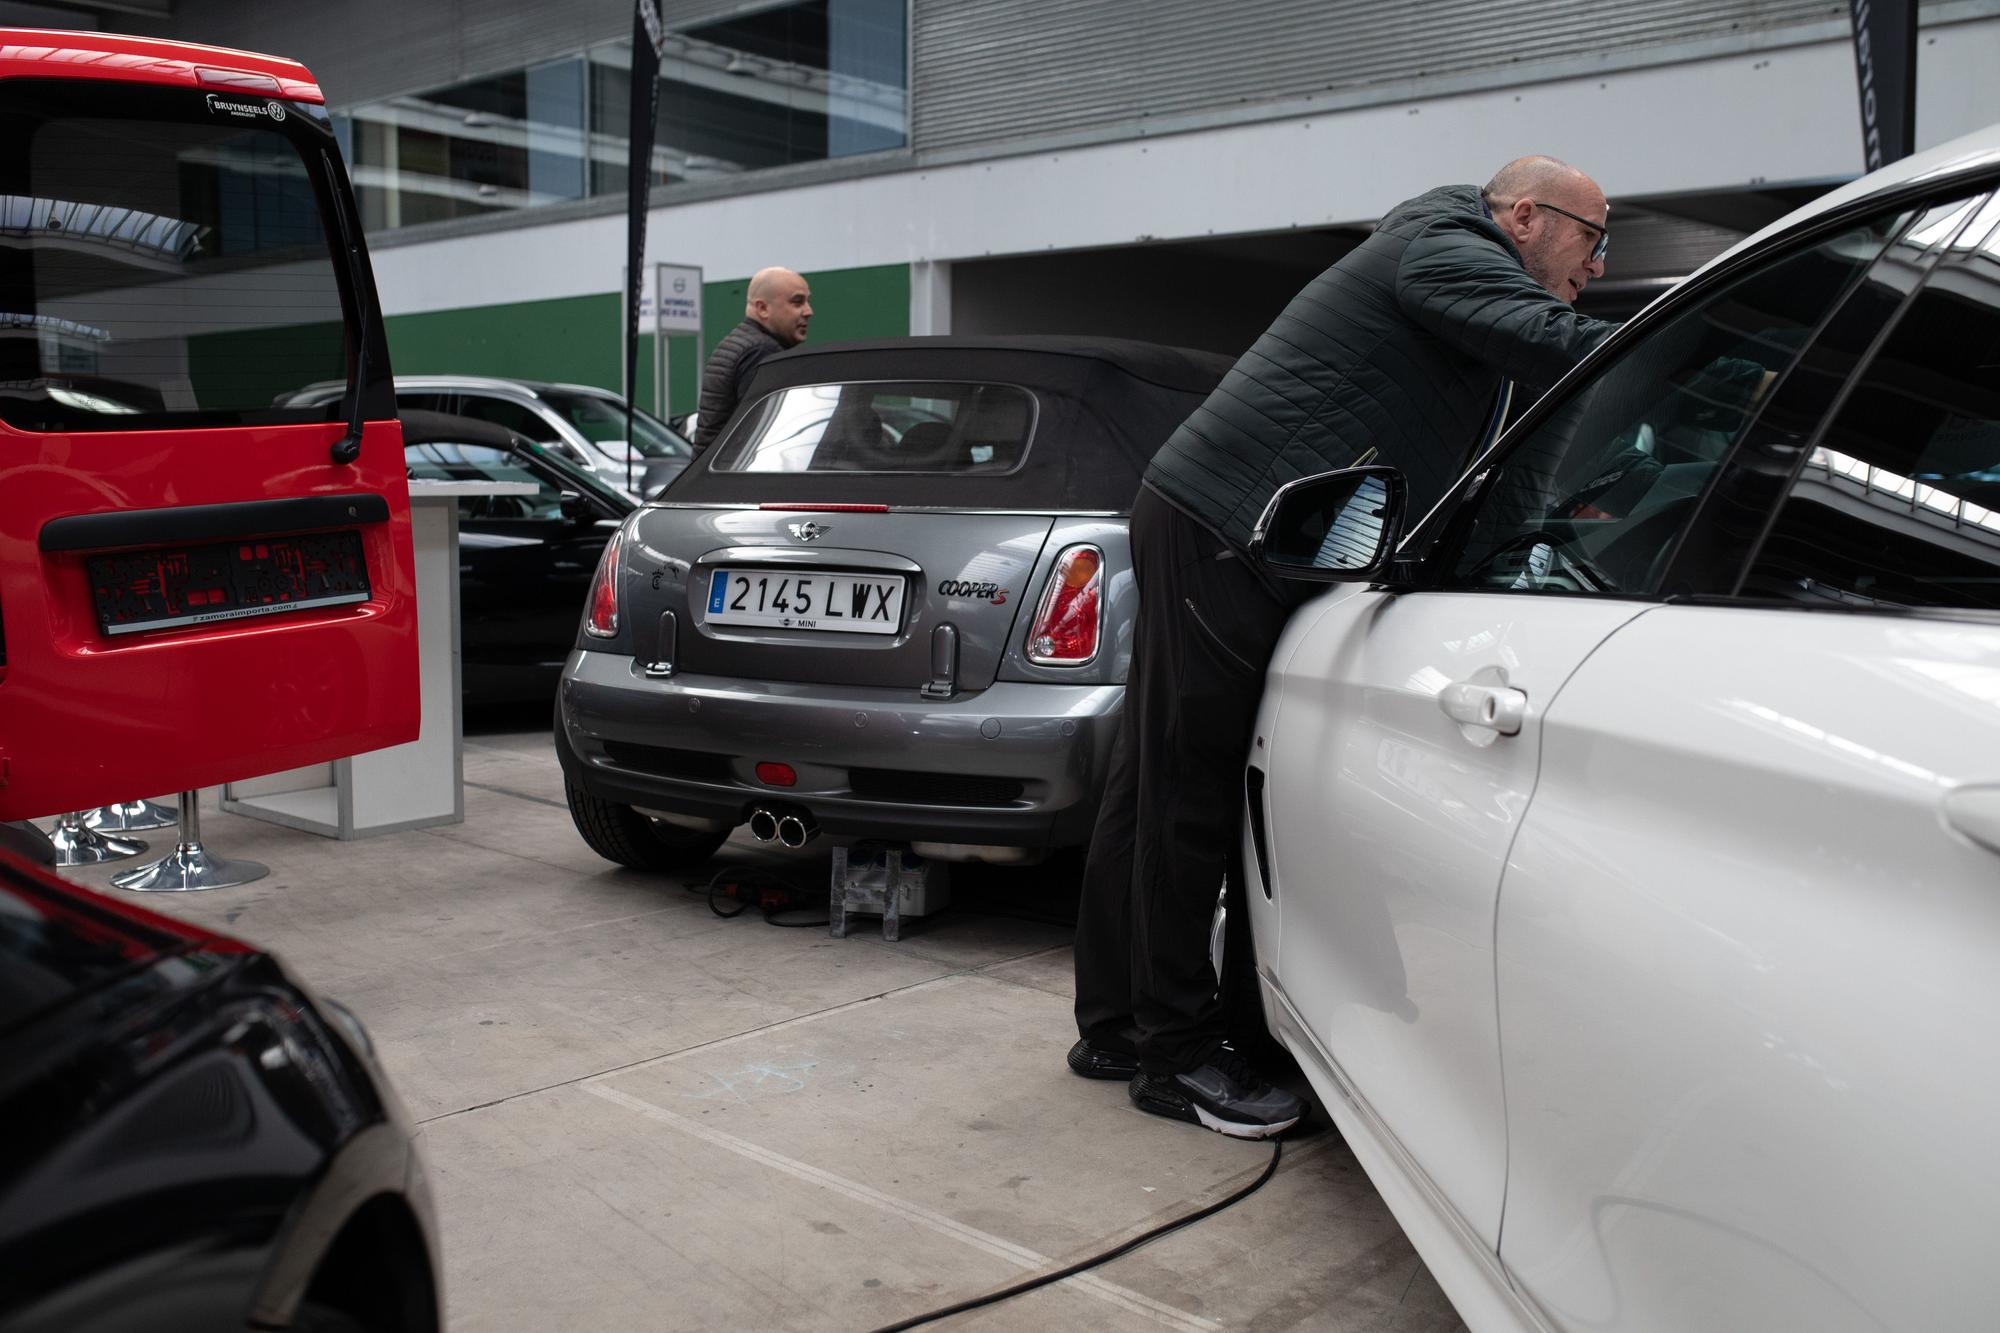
pixel 890 882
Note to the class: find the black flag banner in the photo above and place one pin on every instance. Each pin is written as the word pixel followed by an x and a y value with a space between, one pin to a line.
pixel 648 40
pixel 1885 61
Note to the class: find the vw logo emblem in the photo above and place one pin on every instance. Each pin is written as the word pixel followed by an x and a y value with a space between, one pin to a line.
pixel 808 532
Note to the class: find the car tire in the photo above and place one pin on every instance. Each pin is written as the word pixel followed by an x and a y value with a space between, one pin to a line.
pixel 620 833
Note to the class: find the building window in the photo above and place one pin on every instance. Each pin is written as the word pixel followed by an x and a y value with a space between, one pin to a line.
pixel 798 82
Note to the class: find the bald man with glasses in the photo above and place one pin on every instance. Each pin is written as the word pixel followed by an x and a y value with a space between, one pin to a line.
pixel 1407 350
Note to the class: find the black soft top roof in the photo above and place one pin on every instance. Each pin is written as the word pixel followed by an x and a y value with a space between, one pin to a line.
pixel 1104 406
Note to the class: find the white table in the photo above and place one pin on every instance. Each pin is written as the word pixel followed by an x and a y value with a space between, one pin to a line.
pixel 405 786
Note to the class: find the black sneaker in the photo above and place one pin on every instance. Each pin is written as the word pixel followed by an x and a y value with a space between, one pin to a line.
pixel 1090 1061
pixel 1225 1095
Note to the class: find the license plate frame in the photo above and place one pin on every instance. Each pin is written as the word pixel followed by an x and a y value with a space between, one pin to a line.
pixel 205 583
pixel 827 612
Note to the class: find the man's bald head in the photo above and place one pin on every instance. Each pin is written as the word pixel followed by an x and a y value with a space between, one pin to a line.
pixel 1554 214
pixel 780 300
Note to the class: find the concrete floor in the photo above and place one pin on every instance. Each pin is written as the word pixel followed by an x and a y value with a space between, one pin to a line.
pixel 637 1115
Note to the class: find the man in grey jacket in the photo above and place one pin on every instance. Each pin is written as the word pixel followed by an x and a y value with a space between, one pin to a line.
pixel 776 312
pixel 1410 346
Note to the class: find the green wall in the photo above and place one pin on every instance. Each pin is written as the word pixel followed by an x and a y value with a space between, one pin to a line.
pixel 576 338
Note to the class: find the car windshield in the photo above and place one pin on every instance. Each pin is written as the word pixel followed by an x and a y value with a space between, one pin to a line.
pixel 601 420
pixel 884 427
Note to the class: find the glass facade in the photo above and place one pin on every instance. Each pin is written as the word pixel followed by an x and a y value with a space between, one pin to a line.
pixel 797 82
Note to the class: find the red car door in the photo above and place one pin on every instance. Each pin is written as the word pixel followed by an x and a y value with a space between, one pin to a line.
pixel 199 582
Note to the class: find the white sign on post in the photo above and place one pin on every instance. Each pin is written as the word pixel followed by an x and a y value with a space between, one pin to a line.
pixel 669 304
pixel 672 300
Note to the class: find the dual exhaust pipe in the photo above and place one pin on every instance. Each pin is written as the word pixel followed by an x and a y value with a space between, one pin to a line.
pixel 789 828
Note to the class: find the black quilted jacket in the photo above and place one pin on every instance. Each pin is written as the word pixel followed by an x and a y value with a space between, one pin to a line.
pixel 727 371
pixel 1401 347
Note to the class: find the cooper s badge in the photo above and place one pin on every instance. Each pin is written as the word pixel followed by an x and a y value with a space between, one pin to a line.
pixel 991 592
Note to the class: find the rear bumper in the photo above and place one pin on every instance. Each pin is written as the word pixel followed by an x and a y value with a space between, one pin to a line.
pixel 1017 764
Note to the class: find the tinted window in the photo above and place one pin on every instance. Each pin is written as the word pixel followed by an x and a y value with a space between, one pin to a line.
pixel 1593 499
pixel 163 260
pixel 1898 505
pixel 883 427
pixel 483 462
pixel 517 417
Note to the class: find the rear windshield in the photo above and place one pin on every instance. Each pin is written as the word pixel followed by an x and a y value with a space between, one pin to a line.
pixel 901 426
pixel 164 259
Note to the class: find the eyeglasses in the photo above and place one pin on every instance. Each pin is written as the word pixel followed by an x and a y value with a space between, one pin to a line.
pixel 1603 234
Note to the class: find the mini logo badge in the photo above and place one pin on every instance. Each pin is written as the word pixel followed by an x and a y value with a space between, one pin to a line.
pixel 808 532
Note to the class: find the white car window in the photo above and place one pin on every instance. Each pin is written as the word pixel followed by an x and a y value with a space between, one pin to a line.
pixel 1898 504
pixel 511 415
pixel 1594 498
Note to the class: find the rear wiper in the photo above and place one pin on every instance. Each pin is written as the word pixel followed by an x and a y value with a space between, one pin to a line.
pixel 348 448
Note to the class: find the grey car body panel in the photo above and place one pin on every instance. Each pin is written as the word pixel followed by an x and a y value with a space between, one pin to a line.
pixel 672 553
pixel 691 743
pixel 829 704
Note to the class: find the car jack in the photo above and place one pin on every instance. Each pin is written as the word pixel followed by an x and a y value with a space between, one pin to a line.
pixel 886 881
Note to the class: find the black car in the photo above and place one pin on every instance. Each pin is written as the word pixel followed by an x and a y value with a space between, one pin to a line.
pixel 193 1141
pixel 525 561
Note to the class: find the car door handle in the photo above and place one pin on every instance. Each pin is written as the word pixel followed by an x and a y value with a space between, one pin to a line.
pixel 1975 812
pixel 1492 707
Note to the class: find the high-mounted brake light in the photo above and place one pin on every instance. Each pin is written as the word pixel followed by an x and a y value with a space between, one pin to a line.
pixel 238 80
pixel 826 509
pixel 1066 623
pixel 600 621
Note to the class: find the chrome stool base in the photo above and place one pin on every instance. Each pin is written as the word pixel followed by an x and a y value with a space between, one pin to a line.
pixel 189 867
pixel 79 846
pixel 130 817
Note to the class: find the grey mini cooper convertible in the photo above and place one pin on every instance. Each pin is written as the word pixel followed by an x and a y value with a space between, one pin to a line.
pixel 894 601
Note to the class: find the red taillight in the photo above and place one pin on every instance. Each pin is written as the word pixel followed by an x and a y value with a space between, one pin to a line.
pixel 1065 628
pixel 777 775
pixel 601 619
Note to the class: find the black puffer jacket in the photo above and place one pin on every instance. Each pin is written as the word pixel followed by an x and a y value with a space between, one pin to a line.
pixel 1400 347
pixel 727 371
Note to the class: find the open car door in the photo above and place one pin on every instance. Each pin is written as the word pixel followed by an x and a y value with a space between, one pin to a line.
pixel 196 584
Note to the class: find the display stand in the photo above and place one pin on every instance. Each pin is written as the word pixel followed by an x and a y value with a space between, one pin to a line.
pixel 405 786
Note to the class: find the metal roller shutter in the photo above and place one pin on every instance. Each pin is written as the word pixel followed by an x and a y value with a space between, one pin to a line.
pixel 992 70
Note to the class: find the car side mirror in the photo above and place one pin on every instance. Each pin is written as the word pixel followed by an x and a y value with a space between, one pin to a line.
pixel 575 507
pixel 1337 527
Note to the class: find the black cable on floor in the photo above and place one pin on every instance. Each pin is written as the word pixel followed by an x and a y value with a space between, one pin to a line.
pixel 1116 1252
pixel 751 878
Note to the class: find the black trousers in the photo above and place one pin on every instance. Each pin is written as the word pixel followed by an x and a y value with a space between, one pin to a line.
pixel 1171 817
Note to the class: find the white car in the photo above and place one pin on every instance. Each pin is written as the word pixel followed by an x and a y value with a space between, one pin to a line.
pixel 584 423
pixel 1624 838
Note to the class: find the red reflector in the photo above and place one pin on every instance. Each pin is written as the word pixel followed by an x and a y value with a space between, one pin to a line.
pixel 776 775
pixel 1065 628
pixel 829 509
pixel 237 80
pixel 601 607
